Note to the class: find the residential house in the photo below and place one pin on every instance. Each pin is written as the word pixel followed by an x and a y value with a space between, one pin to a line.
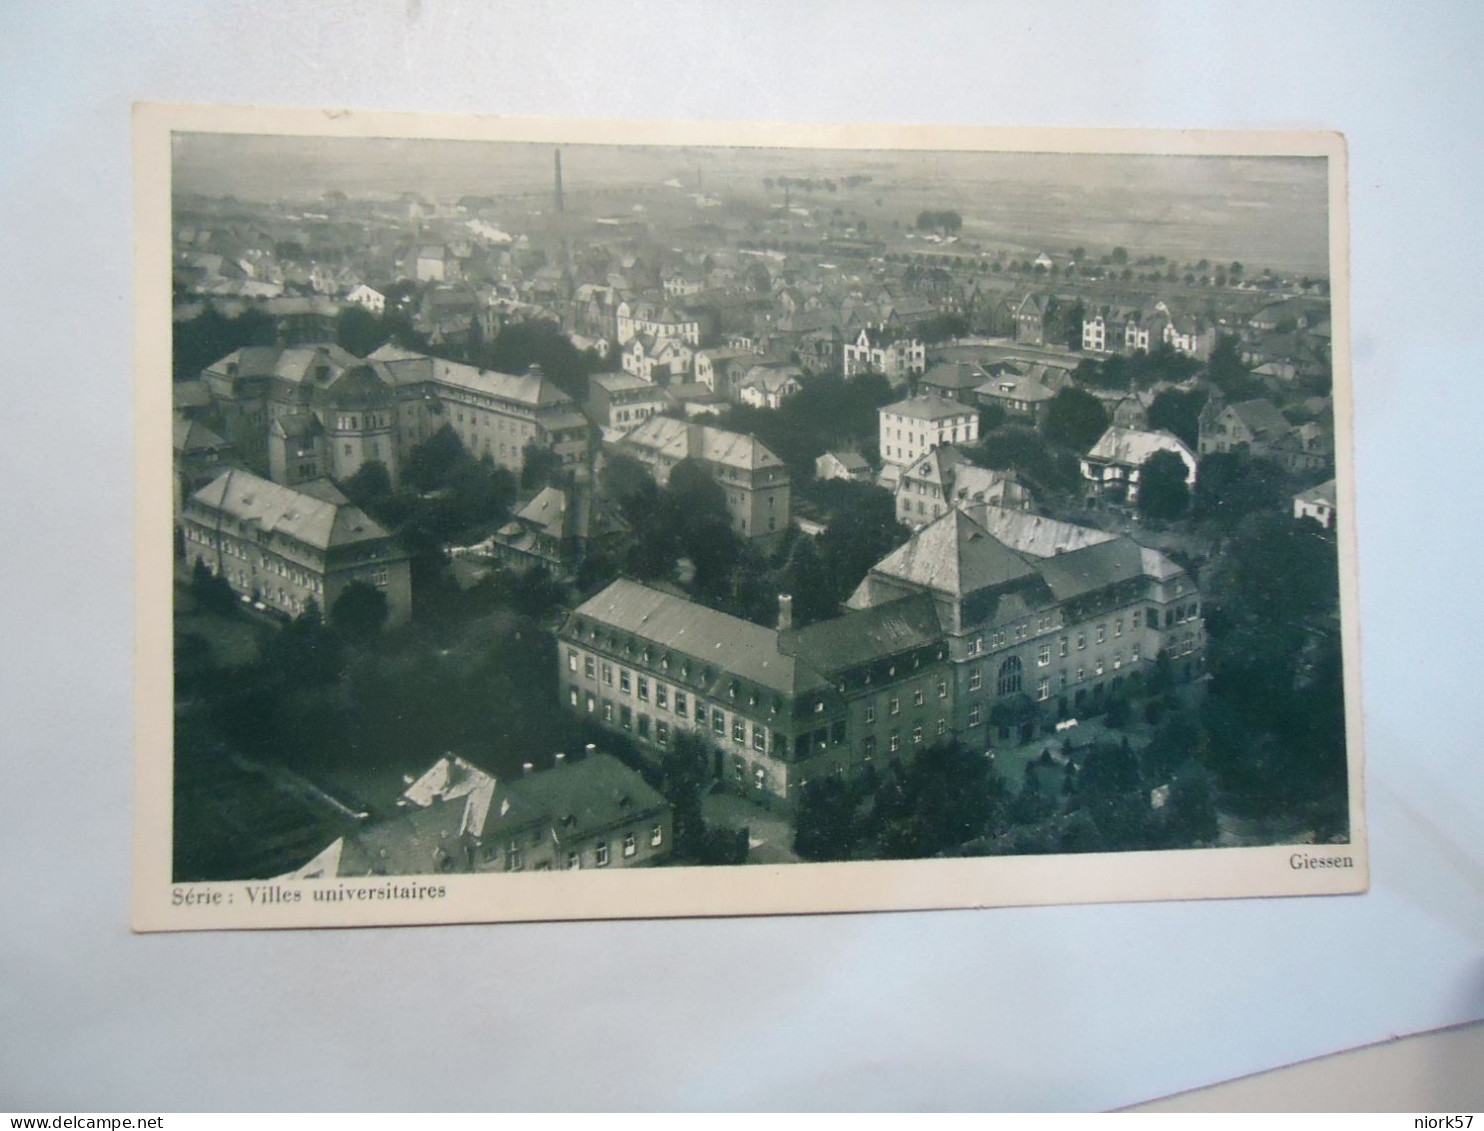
pixel 1255 425
pixel 367 298
pixel 715 368
pixel 1113 465
pixel 1023 396
pixel 695 399
pixel 1189 334
pixel 656 360
pixel 886 352
pixel 767 386
pixel 1030 319
pixel 952 380
pixel 430 264
pixel 945 478
pixel 632 318
pixel 1317 503
pixel 555 531
pixel 843 465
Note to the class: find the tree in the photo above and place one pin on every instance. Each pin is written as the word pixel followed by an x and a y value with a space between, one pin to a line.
pixel 824 828
pixel 305 654
pixel 1232 485
pixel 359 612
pixel 1072 317
pixel 947 796
pixel 863 529
pixel 1179 414
pixel 211 336
pixel 1163 490
pixel 685 770
pixel 1278 571
pixel 1109 768
pixel 211 591
pixel 947 222
pixel 1074 419
pixel 1227 373
pixel 358 331
pixel 1120 256
pixel 433 463
pixel 370 487
pixel 807 580
pixel 540 467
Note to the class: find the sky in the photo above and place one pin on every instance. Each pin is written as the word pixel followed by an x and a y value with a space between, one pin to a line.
pixel 1265 211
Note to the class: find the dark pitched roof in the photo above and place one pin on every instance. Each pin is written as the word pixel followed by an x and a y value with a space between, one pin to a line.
pixel 953 375
pixel 1092 567
pixel 860 637
pixel 578 800
pixel 300 515
pixel 1261 418
pixel 955 555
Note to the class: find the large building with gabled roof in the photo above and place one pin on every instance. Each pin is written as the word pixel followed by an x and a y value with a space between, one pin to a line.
pixel 778 706
pixel 1028 632
pixel 494 414
pixel 957 633
pixel 286 547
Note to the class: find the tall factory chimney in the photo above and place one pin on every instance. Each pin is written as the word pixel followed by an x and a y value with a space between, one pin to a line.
pixel 560 205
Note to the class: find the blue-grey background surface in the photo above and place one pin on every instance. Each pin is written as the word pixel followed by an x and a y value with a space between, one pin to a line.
pixel 1076 1007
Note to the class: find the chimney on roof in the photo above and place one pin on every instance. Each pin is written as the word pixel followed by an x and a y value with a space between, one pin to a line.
pixel 785 612
pixel 526 769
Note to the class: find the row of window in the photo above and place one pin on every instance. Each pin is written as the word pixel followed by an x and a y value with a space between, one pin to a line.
pixel 632 683
pixel 350 422
pixel 515 851
pixel 658 730
pixel 894 703
pixel 999 638
pixel 894 737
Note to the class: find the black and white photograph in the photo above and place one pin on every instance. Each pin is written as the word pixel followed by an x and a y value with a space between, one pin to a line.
pixel 571 519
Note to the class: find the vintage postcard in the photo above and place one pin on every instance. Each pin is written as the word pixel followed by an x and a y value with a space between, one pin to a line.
pixel 584 519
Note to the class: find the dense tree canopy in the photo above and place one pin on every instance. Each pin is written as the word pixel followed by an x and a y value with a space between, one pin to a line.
pixel 359 612
pixel 1074 419
pixel 945 797
pixel 863 529
pixel 210 336
pixel 1163 490
pixel 826 413
pixel 519 345
pixel 1179 414
pixel 1228 374
pixel 1232 485
pixel 947 222
pixel 1023 450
